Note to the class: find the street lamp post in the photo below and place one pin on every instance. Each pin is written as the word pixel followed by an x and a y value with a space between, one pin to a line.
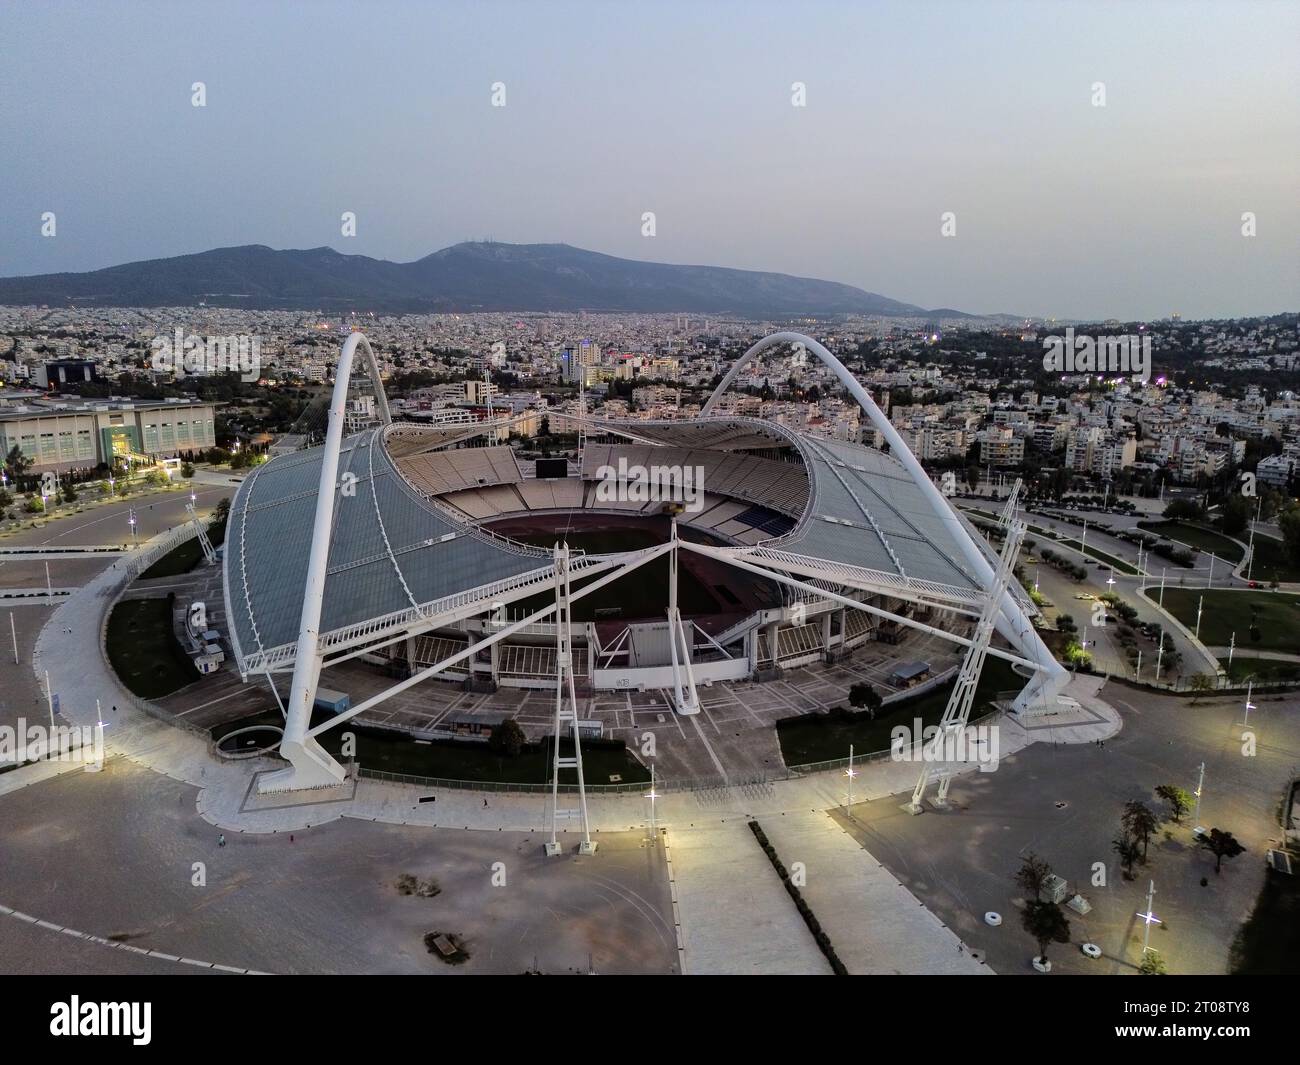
pixel 1232 647
pixel 850 774
pixel 98 764
pixel 1250 565
pixel 1245 720
pixel 1210 581
pixel 1200 602
pixel 652 797
pixel 1149 918
pixel 1162 587
pixel 1139 666
pixel 1200 787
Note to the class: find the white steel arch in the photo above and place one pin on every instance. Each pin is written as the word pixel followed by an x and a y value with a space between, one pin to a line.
pixel 311 766
pixel 1050 676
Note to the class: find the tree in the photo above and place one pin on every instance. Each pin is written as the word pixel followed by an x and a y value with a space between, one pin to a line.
pixel 221 511
pixel 864 696
pixel 1221 845
pixel 17 463
pixel 1236 512
pixel 187 470
pixel 1289 522
pixel 1047 923
pixel 1139 821
pixel 1127 849
pixel 1200 684
pixel 507 738
pixel 1184 510
pixel 1032 874
pixel 1179 800
pixel 1152 964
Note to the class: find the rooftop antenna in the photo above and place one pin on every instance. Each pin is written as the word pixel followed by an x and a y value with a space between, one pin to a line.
pixel 582 402
pixel 487 389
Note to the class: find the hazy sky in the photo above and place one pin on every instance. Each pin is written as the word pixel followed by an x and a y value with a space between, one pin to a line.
pixel 616 108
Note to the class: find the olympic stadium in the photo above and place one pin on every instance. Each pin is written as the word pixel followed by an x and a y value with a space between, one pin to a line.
pixel 437 555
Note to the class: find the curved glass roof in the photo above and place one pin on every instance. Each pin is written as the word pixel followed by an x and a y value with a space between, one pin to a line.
pixel 392 549
pixel 389 548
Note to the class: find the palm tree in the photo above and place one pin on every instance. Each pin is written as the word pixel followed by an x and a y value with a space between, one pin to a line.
pixel 1139 821
pixel 1127 849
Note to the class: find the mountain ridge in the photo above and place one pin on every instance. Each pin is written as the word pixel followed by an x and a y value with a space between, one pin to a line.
pixel 465 277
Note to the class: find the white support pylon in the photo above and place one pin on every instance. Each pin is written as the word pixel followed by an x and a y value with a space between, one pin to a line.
pixel 209 552
pixel 563 683
pixel 1013 500
pixel 957 713
pixel 686 698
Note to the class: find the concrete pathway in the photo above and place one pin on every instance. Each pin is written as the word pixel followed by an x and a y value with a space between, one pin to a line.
pixel 736 915
pixel 877 926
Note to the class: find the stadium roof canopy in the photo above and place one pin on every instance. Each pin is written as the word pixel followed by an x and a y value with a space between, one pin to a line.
pixel 378 559
pixel 394 553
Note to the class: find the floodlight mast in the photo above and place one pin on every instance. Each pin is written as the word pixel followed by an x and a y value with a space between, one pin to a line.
pixel 563 683
pixel 310 765
pixel 956 714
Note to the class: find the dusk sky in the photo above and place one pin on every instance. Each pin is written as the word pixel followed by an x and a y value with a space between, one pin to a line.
pixel 613 109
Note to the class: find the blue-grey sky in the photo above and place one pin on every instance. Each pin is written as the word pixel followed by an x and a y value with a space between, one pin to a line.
pixel 616 108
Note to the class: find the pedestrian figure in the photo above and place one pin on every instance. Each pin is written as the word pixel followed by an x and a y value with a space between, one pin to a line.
pixel 221 840
pixel 485 802
pixel 290 837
